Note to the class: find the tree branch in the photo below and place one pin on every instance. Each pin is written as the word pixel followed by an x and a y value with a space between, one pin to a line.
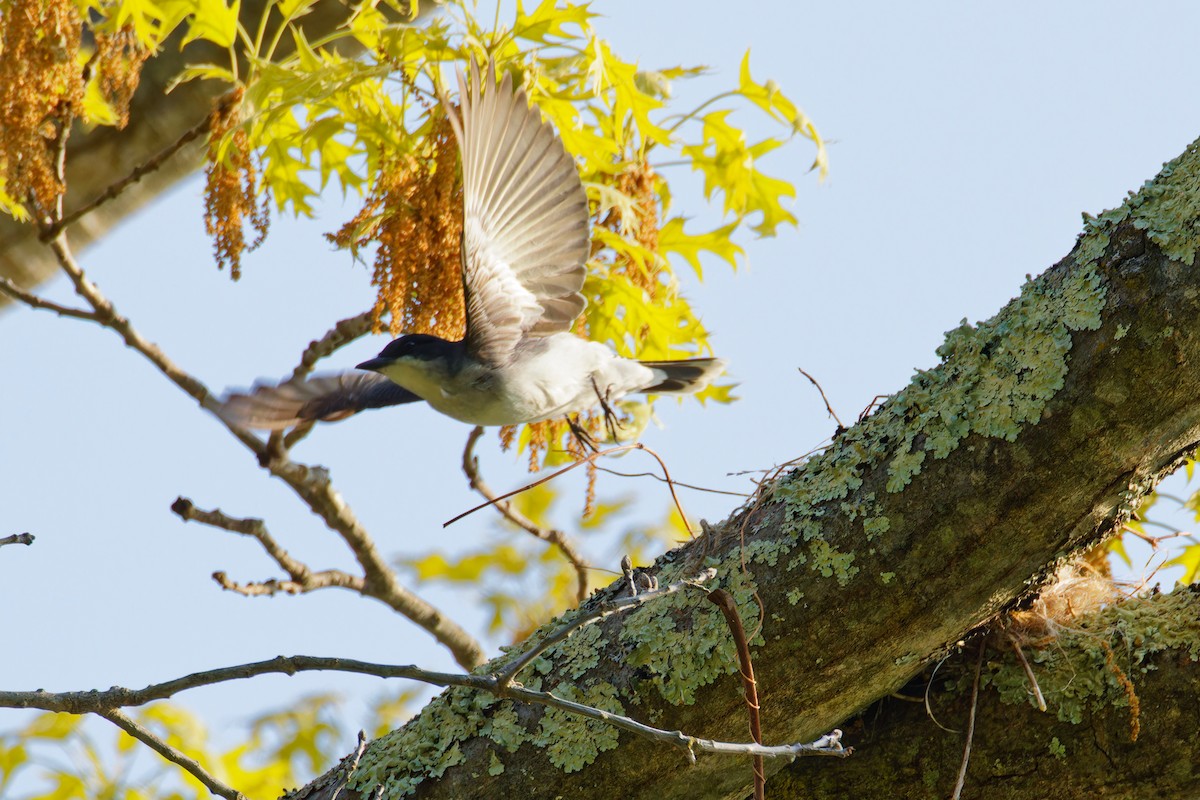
pixel 470 466
pixel 170 754
pixel 598 612
pixel 337 337
pixel 17 538
pixel 14 292
pixel 1036 435
pixel 311 484
pixel 103 702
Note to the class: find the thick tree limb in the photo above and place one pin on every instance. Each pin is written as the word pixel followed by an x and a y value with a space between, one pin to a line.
pixel 1019 753
pixel 1035 436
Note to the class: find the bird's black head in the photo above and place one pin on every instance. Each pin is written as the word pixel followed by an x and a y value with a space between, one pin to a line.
pixel 418 346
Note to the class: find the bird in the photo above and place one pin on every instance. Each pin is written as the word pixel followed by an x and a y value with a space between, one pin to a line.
pixel 525 245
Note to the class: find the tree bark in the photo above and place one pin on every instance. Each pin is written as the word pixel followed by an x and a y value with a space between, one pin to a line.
pixel 1019 752
pixel 1034 437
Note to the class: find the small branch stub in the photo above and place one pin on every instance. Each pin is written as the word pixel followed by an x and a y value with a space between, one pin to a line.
pixel 18 538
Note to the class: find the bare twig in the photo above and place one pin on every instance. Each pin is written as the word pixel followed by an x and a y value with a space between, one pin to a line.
pixel 170 754
pixel 587 460
pixel 724 601
pixel 351 764
pixel 506 676
pixel 866 412
pixel 311 484
pixel 1037 690
pixel 680 484
pixel 966 759
pixel 824 399
pixel 928 706
pixel 470 466
pixel 340 335
pixel 33 301
pixel 303 578
pixel 138 172
pixel 630 578
pixel 267 588
pixel 17 538
pixel 117 697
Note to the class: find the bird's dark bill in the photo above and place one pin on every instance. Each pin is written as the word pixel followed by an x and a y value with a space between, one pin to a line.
pixel 375 364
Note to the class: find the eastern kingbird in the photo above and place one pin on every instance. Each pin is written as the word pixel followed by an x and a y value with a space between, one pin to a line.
pixel 525 241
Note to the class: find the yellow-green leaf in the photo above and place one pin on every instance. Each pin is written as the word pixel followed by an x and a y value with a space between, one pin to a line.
pixel 673 239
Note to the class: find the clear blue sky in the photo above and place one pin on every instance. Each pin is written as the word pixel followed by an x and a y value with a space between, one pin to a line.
pixel 966 139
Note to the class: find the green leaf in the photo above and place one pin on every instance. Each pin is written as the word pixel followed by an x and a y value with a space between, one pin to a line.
pixel 771 99
pixel 202 72
pixel 469 568
pixel 1189 559
pixel 213 21
pixel 729 166
pixel 549 21
pixel 673 239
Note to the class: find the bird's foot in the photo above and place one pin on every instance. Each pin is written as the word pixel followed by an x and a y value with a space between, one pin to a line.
pixel 585 439
pixel 612 422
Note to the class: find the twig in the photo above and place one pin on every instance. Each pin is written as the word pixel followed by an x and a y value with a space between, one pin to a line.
pixel 724 601
pixel 871 406
pixel 353 759
pixel 33 301
pixel 267 588
pixel 505 676
pixel 590 458
pixel 18 538
pixel 303 579
pixel 116 697
pixel 340 335
pixel 824 399
pixel 140 171
pixel 1037 690
pixel 680 484
pixel 311 484
pixel 928 706
pixel 470 466
pixel 966 759
pixel 630 577
pixel 170 754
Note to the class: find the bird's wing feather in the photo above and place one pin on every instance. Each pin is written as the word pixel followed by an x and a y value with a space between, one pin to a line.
pixel 321 397
pixel 525 220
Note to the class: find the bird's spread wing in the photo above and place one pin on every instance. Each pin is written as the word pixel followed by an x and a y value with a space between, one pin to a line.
pixel 322 397
pixel 525 220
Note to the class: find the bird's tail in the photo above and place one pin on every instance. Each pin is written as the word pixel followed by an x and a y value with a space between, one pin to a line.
pixel 683 377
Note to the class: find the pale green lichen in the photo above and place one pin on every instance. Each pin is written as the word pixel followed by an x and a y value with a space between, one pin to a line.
pixel 424 748
pixel 1058 749
pixel 875 526
pixel 504 727
pixel 832 563
pixel 1166 208
pixel 1121 331
pixel 887 577
pixel 794 595
pixel 495 765
pixel 765 551
pixel 995 379
pixel 683 642
pixel 571 741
